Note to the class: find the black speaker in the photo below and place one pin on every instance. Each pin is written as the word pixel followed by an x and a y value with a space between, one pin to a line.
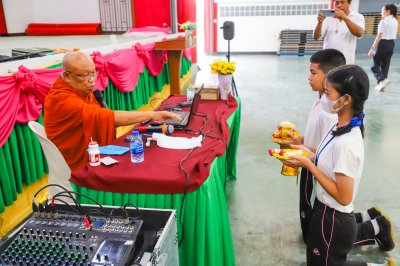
pixel 229 30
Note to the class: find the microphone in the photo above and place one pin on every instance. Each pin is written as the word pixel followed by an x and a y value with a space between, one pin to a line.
pixel 164 128
pixel 99 97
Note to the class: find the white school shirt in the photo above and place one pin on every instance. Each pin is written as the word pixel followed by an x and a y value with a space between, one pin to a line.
pixel 344 154
pixel 337 35
pixel 388 28
pixel 318 123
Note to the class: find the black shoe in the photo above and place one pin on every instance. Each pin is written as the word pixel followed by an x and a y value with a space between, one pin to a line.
pixel 374 212
pixel 385 238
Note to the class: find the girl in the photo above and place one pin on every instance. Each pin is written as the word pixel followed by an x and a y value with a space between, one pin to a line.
pixel 337 168
pixel 382 49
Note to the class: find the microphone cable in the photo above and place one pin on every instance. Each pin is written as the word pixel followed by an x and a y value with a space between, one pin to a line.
pixel 187 178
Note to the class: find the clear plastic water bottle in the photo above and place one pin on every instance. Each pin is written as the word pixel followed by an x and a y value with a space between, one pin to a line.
pixel 137 151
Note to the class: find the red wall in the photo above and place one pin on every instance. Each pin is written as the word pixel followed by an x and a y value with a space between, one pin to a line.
pixel 3 27
pixel 187 11
pixel 152 13
pixel 157 12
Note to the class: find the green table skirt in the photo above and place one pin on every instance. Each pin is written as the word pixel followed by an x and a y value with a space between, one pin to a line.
pixel 21 158
pixel 207 238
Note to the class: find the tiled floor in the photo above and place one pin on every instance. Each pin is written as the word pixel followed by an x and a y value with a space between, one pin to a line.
pixel 263 205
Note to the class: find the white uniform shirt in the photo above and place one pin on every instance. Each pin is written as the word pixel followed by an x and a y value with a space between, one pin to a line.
pixel 388 28
pixel 319 122
pixel 344 154
pixel 337 35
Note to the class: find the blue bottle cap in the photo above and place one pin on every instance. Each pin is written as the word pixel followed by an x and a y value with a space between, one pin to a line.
pixel 135 133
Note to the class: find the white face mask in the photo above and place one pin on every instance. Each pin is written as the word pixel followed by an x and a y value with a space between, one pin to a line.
pixel 327 105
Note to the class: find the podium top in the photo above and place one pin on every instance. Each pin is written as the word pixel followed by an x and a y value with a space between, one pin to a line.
pixel 180 43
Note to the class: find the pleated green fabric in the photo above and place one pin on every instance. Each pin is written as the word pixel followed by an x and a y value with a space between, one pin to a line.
pixel 21 158
pixel 207 238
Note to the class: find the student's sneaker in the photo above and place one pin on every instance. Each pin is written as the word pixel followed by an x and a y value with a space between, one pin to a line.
pixel 374 212
pixel 382 85
pixel 385 238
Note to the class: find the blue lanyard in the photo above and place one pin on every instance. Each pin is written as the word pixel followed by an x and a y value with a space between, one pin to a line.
pixel 326 144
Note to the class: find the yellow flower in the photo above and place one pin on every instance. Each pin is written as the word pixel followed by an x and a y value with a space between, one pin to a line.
pixel 223 67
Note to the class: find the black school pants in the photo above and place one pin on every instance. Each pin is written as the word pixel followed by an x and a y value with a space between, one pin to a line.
pixel 381 59
pixel 365 231
pixel 330 237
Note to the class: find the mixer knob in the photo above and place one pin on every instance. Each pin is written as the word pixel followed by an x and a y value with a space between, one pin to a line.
pixel 70 234
pixel 106 257
pixel 77 235
pixel 57 233
pixel 84 235
pixel 31 230
pixel 25 230
pixel 44 231
pixel 51 232
pixel 64 234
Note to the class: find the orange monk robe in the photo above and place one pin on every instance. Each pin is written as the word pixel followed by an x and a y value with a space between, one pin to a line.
pixel 72 119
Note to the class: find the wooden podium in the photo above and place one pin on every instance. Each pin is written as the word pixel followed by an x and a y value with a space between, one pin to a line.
pixel 175 49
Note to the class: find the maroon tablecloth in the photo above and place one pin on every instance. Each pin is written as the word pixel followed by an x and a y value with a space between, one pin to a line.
pixel 160 172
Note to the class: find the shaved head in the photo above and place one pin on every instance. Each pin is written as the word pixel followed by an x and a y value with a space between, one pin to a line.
pixel 73 60
pixel 79 72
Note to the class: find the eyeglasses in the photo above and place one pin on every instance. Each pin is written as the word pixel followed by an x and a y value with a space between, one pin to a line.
pixel 85 77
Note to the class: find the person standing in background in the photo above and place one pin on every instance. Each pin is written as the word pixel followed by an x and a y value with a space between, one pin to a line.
pixel 341 31
pixel 383 46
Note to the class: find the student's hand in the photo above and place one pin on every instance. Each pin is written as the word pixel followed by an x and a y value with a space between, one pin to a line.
pixel 371 53
pixel 164 115
pixel 295 140
pixel 320 17
pixel 311 154
pixel 298 161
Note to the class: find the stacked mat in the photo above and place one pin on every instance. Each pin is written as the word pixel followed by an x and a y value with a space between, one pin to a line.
pixel 298 42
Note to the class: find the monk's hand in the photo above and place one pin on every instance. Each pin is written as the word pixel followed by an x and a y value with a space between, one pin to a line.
pixel 165 115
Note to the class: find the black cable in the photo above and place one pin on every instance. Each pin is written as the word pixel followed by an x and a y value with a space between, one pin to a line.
pixel 136 207
pixel 115 209
pixel 98 212
pixel 77 204
pixel 187 177
pixel 83 195
pixel 69 205
pixel 56 185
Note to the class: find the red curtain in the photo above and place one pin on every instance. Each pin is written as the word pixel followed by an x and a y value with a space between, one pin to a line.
pixel 3 27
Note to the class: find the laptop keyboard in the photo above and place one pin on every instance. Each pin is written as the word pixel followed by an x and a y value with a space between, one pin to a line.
pixel 182 114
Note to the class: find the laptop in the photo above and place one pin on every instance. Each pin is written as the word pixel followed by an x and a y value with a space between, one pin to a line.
pixel 185 115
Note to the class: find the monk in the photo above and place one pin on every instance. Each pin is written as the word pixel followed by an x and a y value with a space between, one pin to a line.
pixel 73 116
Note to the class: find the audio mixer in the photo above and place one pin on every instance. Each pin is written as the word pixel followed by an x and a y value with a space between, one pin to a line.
pixel 69 239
